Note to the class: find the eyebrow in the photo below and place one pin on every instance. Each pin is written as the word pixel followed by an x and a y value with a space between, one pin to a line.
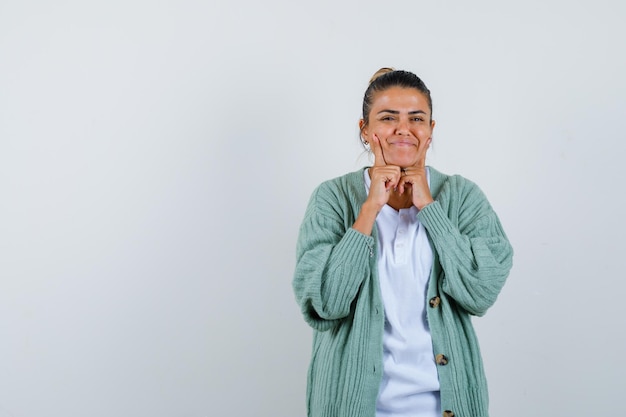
pixel 397 112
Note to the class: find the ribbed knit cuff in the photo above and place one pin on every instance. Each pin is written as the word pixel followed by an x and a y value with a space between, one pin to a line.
pixel 356 247
pixel 435 220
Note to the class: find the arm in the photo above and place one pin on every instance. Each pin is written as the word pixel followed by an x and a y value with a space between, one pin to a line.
pixel 473 249
pixel 332 262
pixel 334 253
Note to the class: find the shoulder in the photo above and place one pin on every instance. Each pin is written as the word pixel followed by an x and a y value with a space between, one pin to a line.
pixel 452 185
pixel 338 198
pixel 460 197
pixel 345 187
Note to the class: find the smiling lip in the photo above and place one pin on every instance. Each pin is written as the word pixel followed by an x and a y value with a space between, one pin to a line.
pixel 401 143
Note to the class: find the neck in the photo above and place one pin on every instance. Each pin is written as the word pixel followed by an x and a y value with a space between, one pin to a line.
pixel 399 201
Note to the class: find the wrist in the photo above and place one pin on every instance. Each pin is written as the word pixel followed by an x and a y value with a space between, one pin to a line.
pixel 424 203
pixel 370 208
pixel 364 222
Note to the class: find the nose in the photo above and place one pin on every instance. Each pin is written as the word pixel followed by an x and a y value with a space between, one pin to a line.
pixel 402 128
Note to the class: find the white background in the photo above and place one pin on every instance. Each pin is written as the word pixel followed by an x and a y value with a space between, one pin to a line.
pixel 156 158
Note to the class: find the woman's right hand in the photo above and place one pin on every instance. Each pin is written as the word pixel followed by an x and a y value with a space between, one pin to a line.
pixel 383 178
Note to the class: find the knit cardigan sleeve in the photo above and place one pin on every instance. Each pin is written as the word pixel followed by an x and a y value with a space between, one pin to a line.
pixel 332 259
pixel 473 250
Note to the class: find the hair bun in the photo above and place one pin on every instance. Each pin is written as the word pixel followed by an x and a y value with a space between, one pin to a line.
pixel 380 72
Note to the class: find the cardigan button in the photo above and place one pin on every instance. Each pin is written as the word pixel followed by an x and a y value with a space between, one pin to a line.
pixel 448 413
pixel 434 302
pixel 441 359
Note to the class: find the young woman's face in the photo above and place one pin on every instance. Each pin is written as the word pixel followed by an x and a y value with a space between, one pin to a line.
pixel 401 119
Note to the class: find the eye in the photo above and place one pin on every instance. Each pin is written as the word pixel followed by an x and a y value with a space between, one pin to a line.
pixel 387 118
pixel 418 119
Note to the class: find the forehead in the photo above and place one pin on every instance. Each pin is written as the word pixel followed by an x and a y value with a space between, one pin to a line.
pixel 398 98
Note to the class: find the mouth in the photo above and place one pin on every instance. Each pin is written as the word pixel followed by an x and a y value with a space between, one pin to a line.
pixel 402 143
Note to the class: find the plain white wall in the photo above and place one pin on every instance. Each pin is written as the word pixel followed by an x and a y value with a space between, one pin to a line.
pixel 156 158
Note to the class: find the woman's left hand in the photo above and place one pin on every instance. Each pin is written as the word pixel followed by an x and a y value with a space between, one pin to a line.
pixel 414 178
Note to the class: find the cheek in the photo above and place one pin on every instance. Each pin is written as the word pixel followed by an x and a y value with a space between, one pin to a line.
pixel 424 132
pixel 382 129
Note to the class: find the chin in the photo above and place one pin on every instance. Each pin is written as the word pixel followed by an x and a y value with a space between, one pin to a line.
pixel 402 162
pixel 402 159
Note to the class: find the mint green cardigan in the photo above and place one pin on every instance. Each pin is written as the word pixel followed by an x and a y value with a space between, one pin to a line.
pixel 336 286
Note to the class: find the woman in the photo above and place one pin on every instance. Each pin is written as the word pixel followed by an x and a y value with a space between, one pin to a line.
pixel 392 262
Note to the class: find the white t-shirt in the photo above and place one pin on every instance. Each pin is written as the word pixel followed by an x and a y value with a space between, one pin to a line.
pixel 410 384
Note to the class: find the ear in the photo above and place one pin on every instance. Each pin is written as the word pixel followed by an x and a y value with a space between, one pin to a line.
pixel 362 129
pixel 432 125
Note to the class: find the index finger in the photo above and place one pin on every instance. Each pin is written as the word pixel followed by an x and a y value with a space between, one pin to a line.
pixel 379 158
pixel 422 148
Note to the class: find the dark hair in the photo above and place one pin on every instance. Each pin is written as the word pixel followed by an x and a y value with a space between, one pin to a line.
pixel 386 78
